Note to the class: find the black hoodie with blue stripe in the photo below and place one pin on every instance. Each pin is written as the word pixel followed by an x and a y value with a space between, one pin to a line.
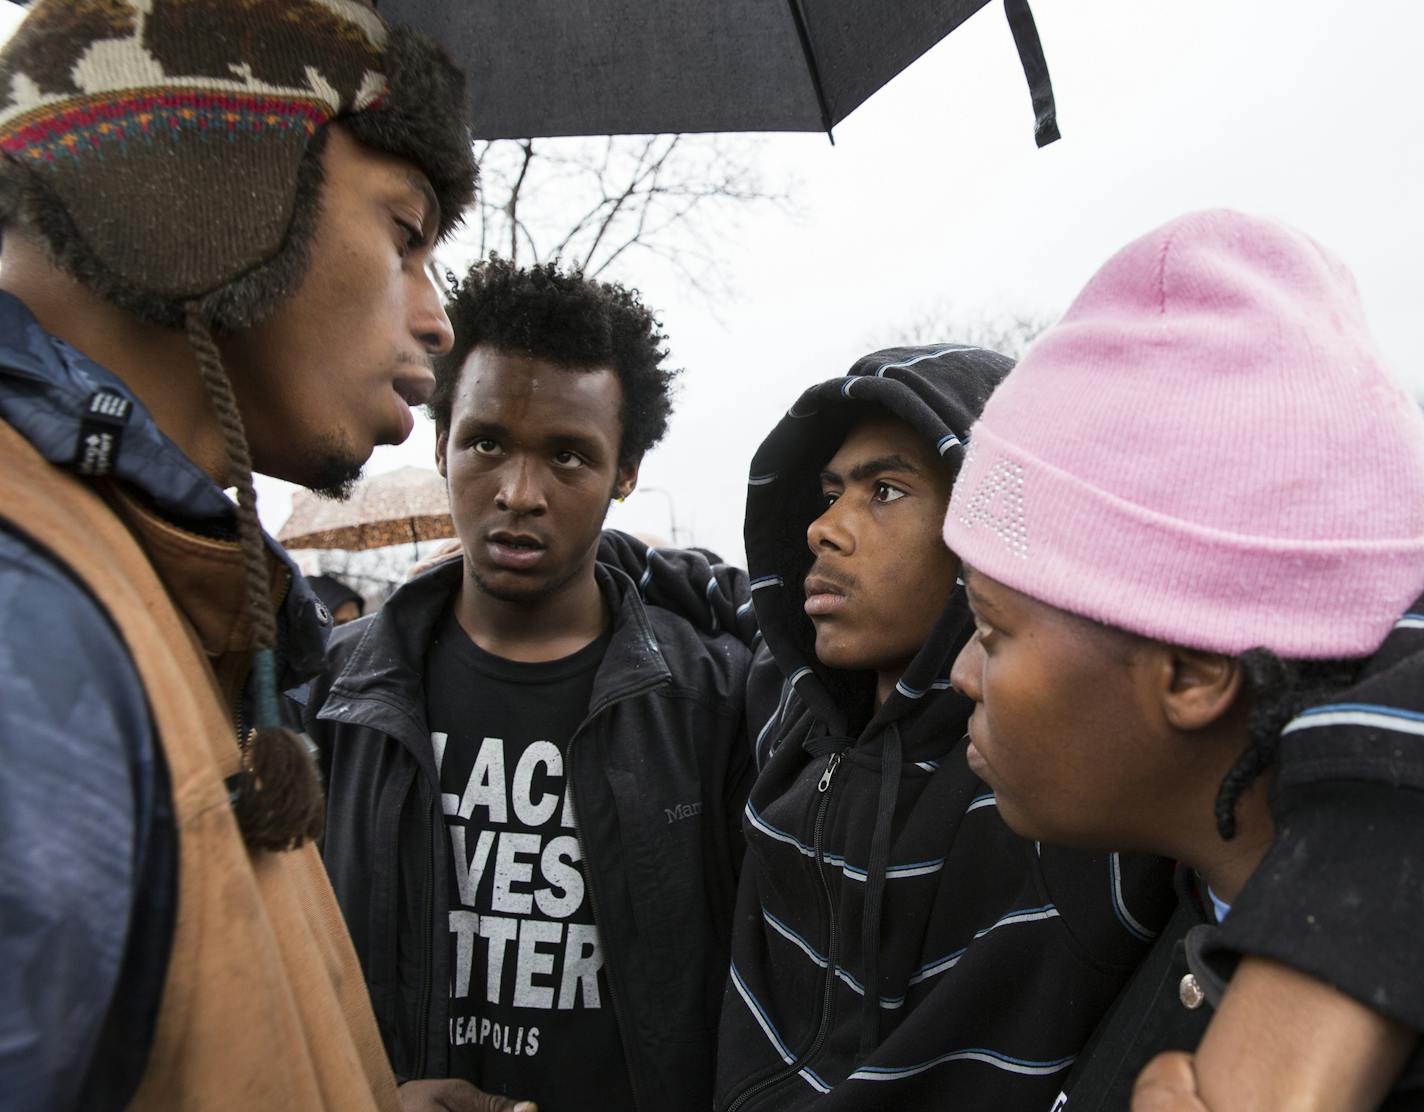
pixel 895 944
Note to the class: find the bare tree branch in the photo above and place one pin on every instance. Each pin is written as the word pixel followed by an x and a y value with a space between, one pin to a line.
pixel 605 203
pixel 512 206
pixel 640 173
pixel 1009 333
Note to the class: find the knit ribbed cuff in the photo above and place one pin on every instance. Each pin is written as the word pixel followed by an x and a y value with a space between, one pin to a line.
pixel 1041 531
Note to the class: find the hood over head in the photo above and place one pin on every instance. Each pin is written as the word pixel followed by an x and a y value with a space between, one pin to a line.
pixel 939 392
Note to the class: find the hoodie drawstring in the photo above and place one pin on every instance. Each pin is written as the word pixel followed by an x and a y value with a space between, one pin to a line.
pixel 876 869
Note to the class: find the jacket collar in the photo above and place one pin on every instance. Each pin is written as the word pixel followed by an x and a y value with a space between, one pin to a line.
pixel 48 393
pixel 381 685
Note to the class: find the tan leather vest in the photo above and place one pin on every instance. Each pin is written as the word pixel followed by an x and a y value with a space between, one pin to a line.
pixel 264 1006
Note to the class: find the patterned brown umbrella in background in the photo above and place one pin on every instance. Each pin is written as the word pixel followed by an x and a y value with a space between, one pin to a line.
pixel 404 506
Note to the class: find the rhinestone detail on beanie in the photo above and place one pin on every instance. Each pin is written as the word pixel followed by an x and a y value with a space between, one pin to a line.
pixel 997 504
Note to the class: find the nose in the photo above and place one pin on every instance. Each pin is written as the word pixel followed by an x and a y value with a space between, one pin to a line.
pixel 428 322
pixel 829 532
pixel 966 676
pixel 520 492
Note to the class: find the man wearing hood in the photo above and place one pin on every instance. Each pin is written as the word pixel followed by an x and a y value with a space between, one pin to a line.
pixel 895 944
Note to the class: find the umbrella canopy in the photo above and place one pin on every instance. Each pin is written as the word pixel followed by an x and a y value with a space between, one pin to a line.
pixel 399 507
pixel 619 67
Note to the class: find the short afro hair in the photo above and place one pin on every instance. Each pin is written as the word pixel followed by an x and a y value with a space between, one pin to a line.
pixel 569 320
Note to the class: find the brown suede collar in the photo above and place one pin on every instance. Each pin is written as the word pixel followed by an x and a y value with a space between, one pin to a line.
pixel 205 576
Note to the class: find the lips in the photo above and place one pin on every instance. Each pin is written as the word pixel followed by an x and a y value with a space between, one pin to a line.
pixel 403 414
pixel 975 759
pixel 515 551
pixel 823 596
pixel 415 389
pixel 411 390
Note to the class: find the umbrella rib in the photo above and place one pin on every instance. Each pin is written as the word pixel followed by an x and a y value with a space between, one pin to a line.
pixel 808 52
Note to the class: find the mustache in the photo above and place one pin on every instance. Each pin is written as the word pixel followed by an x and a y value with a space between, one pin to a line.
pixel 840 579
pixel 426 362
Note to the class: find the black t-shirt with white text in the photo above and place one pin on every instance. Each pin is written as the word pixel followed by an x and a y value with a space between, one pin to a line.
pixel 530 1013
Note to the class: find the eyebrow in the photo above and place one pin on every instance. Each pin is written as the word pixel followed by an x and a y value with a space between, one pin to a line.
pixel 564 438
pixel 868 469
pixel 976 600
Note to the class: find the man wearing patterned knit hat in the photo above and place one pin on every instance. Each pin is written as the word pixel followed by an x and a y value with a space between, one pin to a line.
pixel 217 215
pixel 1192 522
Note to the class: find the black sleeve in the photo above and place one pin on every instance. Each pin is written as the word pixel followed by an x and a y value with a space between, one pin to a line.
pixel 1340 895
pixel 714 598
pixel 313 695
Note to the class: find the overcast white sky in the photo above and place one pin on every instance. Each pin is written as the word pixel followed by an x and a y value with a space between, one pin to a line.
pixel 1305 110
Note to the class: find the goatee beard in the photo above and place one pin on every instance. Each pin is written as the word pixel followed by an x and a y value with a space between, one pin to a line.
pixel 331 473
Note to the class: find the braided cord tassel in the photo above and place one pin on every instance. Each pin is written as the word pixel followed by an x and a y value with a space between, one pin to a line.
pixel 277 798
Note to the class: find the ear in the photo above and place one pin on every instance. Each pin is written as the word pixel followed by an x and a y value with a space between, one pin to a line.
pixel 442 440
pixel 627 478
pixel 1198 688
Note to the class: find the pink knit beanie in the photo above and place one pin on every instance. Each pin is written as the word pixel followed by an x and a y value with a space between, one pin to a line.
pixel 1206 450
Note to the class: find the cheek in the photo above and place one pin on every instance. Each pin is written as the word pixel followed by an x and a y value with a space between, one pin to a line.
pixel 1053 729
pixel 352 302
pixel 579 504
pixel 470 485
pixel 1018 705
pixel 923 567
pixel 910 594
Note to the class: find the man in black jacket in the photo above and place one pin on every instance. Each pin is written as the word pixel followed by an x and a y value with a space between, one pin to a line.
pixel 896 945
pixel 535 780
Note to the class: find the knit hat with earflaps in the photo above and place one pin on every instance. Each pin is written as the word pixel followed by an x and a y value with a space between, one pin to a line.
pixel 166 153
pixel 1207 450
pixel 163 148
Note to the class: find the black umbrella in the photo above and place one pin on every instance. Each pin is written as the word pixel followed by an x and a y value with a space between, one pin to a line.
pixel 621 67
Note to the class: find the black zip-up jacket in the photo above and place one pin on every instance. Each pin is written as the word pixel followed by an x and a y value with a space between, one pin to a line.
pixel 663 737
pixel 1339 895
pixel 896 945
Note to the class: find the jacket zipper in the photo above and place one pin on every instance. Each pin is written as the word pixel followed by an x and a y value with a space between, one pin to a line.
pixel 623 1031
pixel 244 732
pixel 427 956
pixel 828 981
pixel 238 721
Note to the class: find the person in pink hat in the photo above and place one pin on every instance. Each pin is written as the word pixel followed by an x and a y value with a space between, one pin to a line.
pixel 1192 524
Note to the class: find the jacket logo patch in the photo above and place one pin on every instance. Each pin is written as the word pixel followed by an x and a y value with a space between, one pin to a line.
pixel 682 811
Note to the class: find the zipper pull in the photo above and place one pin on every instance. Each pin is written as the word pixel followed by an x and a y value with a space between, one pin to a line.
pixel 831 766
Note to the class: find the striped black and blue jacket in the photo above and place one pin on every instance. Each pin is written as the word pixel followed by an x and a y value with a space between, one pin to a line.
pixel 895 945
